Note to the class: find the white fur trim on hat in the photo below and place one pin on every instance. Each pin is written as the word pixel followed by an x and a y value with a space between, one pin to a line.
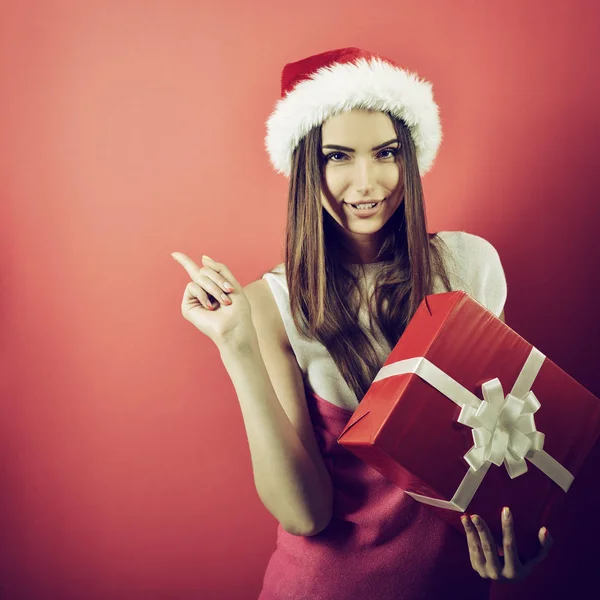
pixel 367 83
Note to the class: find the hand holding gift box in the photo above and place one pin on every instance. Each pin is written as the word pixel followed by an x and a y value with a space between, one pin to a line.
pixel 460 396
pixel 484 554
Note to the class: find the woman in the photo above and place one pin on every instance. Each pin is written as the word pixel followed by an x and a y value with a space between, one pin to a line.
pixel 355 133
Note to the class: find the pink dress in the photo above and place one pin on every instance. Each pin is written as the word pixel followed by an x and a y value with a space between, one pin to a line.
pixel 380 543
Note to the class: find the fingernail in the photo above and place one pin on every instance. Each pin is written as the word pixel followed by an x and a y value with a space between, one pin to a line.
pixel 546 533
pixel 506 513
pixel 207 257
pixel 228 286
pixel 464 520
pixel 475 520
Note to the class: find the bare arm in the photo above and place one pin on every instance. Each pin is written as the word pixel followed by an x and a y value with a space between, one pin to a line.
pixel 292 488
pixel 289 473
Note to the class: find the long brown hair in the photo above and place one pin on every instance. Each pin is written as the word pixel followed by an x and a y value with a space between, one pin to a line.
pixel 320 285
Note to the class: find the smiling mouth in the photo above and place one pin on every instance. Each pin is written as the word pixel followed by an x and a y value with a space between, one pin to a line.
pixel 374 203
pixel 366 205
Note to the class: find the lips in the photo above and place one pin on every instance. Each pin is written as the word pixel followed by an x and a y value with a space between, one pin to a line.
pixel 365 202
pixel 364 213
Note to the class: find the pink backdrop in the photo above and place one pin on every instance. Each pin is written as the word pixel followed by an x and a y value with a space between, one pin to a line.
pixel 131 130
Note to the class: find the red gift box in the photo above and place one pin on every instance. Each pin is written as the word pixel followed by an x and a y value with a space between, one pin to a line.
pixel 462 401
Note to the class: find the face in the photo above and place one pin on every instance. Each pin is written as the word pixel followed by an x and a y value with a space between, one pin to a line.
pixel 359 151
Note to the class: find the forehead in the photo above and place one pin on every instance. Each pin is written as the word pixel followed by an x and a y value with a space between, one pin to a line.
pixel 359 126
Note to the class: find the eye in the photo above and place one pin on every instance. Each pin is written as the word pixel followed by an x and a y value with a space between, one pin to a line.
pixel 394 151
pixel 331 154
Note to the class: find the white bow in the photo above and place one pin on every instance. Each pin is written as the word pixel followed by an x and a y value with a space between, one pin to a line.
pixel 503 429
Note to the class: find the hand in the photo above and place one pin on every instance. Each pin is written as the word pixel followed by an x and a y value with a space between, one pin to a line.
pixel 484 553
pixel 229 318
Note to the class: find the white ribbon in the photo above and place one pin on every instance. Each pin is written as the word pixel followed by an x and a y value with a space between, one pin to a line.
pixel 504 428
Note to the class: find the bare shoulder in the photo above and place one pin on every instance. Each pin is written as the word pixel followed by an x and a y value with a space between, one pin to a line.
pixel 264 308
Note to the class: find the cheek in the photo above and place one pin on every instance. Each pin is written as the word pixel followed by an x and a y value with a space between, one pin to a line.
pixel 394 177
pixel 336 184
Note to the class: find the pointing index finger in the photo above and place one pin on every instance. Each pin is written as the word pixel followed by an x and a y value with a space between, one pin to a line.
pixel 186 262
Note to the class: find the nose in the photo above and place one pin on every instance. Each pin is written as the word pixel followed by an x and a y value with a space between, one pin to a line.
pixel 364 176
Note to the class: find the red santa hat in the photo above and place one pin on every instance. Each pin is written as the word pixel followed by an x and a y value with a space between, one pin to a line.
pixel 320 86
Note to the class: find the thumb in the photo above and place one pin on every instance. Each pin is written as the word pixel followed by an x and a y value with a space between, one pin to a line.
pixel 546 542
pixel 545 538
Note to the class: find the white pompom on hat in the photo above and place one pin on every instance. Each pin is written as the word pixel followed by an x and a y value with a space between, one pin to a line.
pixel 320 86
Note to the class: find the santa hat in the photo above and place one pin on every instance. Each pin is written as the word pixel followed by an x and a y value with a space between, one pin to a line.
pixel 320 86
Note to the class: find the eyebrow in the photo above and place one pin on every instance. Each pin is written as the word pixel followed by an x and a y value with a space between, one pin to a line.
pixel 335 147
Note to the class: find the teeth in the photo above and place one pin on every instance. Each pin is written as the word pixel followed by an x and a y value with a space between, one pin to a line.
pixel 363 206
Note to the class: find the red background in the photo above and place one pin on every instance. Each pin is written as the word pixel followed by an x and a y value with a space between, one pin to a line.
pixel 130 130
